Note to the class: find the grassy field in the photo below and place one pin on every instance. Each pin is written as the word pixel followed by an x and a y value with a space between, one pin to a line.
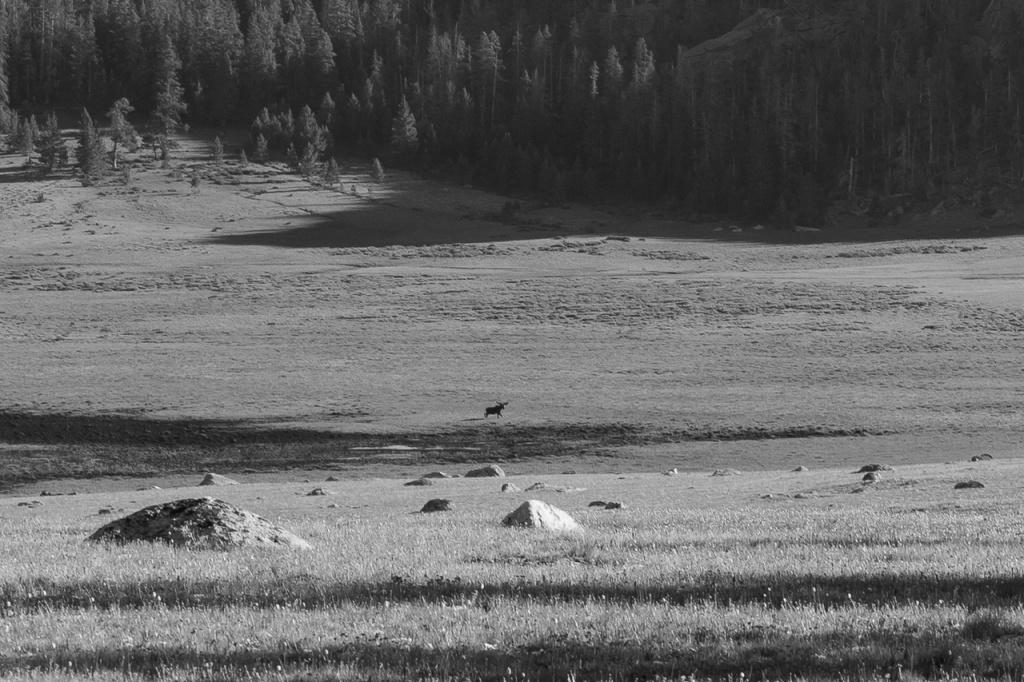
pixel 280 331
pixel 788 575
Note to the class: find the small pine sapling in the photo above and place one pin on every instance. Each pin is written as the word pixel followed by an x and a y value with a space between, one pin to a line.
pixel 218 151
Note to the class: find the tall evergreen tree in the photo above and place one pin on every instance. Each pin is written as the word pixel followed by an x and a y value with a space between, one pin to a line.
pixel 404 137
pixel 52 152
pixel 91 151
pixel 121 131
pixel 169 104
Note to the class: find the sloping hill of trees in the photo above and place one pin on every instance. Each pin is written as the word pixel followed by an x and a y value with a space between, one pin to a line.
pixel 731 106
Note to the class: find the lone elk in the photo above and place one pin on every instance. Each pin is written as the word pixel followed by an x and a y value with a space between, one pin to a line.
pixel 496 410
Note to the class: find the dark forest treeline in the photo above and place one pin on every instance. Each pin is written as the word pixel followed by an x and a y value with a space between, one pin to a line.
pixel 734 106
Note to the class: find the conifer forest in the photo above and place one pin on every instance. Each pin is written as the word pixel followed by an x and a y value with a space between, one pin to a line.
pixel 741 107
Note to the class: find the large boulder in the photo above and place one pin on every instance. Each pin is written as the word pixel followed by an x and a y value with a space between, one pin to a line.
pixel 217 479
pixel 537 514
pixel 491 470
pixel 198 523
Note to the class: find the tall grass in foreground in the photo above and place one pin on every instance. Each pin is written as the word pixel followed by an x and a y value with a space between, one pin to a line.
pixel 774 592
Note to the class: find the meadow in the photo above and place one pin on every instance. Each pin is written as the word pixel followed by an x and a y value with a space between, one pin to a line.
pixel 281 331
pixel 793 575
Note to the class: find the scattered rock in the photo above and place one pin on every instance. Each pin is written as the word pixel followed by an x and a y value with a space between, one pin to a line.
pixel 217 479
pixel 725 472
pixel 554 488
pixel 436 474
pixel 801 468
pixel 436 505
pixel 537 514
pixel 510 488
pixel 984 457
pixel 871 477
pixel 968 484
pixel 489 471
pixel 868 468
pixel 420 481
pixel 198 523
pixel 316 492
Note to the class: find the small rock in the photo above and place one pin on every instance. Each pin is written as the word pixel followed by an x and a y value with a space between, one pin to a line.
pixel 537 514
pixel 420 481
pixel 436 505
pixel 46 493
pixel 436 474
pixel 316 492
pixel 984 457
pixel 333 505
pixel 801 468
pixel 871 477
pixel 725 472
pixel 802 496
pixel 105 510
pixel 510 488
pixel 596 503
pixel 330 479
pixel 672 472
pixel 217 479
pixel 489 471
pixel 968 484
pixel 867 468
pixel 613 505
pixel 30 503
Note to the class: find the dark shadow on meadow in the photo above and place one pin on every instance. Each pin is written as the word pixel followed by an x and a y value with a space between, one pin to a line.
pixel 880 650
pixel 310 593
pixel 384 222
pixel 540 659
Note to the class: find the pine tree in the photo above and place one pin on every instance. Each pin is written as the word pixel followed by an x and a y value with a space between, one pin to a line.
pixel 52 152
pixel 25 141
pixel 91 151
pixel 261 152
pixel 331 173
pixel 404 137
pixel 170 104
pixel 218 150
pixel 121 131
pixel 613 72
pixel 488 64
pixel 5 97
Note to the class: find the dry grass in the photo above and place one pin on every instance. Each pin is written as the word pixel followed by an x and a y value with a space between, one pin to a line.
pixel 695 576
